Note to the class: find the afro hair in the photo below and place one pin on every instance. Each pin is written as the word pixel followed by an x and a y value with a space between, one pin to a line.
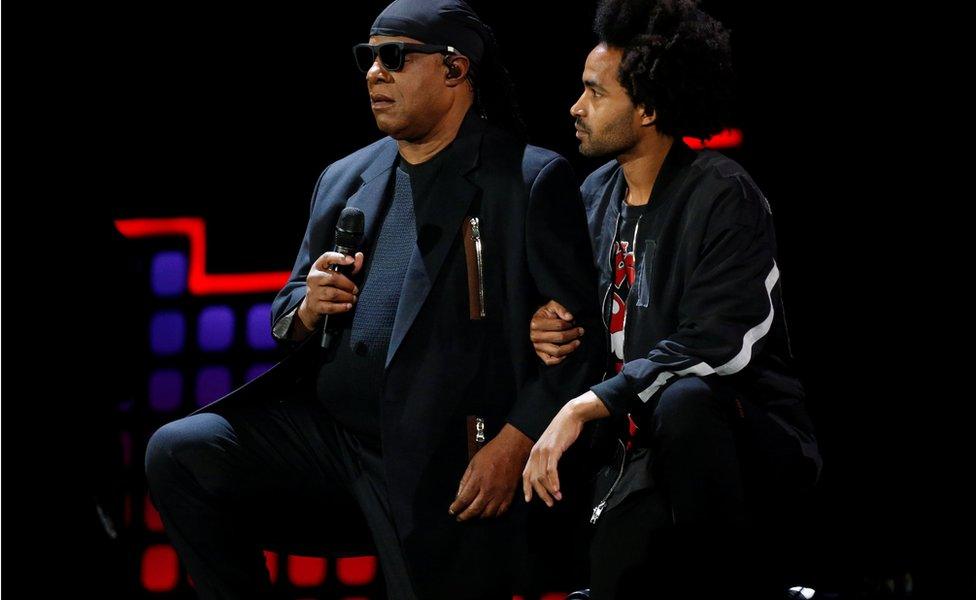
pixel 676 61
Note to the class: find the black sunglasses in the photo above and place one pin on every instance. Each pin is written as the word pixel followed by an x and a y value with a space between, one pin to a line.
pixel 392 53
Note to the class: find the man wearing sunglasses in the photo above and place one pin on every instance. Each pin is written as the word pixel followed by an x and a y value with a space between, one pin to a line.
pixel 419 418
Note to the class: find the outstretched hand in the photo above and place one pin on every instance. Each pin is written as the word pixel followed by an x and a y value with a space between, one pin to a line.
pixel 541 474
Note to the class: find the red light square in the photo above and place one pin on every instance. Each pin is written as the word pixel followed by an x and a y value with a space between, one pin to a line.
pixel 357 570
pixel 160 568
pixel 306 571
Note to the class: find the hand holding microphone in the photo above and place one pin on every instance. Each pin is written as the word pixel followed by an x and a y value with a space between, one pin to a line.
pixel 328 291
pixel 328 287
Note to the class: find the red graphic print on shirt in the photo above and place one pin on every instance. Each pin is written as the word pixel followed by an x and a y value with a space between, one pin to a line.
pixel 623 278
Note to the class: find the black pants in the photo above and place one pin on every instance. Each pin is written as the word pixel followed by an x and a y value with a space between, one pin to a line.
pixel 270 473
pixel 726 476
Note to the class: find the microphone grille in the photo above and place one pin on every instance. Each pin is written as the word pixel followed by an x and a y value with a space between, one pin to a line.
pixel 349 230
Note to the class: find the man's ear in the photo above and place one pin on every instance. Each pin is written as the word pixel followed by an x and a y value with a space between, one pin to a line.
pixel 648 116
pixel 457 69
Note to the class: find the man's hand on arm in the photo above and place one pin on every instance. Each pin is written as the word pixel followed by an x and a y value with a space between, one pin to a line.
pixel 492 477
pixel 326 292
pixel 553 333
pixel 541 471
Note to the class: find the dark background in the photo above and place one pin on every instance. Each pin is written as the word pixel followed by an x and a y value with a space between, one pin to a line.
pixel 231 114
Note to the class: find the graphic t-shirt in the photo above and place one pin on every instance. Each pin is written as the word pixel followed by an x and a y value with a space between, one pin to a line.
pixel 623 267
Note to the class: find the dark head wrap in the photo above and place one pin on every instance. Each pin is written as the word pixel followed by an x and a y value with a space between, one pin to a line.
pixel 444 22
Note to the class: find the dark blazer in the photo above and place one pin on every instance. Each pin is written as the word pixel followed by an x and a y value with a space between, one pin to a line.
pixel 443 365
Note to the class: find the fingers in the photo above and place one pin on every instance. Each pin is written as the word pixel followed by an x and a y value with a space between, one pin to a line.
pixel 333 258
pixel 549 359
pixel 465 478
pixel 552 476
pixel 484 506
pixel 541 476
pixel 553 334
pixel 539 486
pixel 546 472
pixel 331 294
pixel 474 509
pixel 560 310
pixel 553 337
pixel 465 494
pixel 556 337
pixel 496 508
pixel 332 279
pixel 534 476
pixel 327 300
pixel 503 508
pixel 491 509
pixel 320 307
pixel 557 351
pixel 543 323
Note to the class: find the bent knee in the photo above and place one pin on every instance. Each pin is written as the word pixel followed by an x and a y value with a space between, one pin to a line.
pixel 686 405
pixel 169 446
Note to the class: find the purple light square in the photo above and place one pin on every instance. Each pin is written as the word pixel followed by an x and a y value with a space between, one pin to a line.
pixel 165 390
pixel 212 383
pixel 167 331
pixel 169 274
pixel 255 370
pixel 215 328
pixel 259 327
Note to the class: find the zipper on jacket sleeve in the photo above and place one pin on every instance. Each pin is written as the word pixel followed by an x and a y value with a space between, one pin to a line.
pixel 598 509
pixel 476 235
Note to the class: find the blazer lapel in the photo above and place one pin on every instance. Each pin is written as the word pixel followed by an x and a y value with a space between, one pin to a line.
pixel 452 194
pixel 372 193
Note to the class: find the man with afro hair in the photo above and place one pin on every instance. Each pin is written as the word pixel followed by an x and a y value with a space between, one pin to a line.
pixel 699 383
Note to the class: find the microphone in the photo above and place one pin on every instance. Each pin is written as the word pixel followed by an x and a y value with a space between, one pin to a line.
pixel 348 237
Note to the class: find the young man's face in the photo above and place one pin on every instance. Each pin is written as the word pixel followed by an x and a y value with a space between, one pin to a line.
pixel 408 103
pixel 607 122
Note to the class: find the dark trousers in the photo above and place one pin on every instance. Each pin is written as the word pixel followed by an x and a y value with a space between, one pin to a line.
pixel 726 477
pixel 268 474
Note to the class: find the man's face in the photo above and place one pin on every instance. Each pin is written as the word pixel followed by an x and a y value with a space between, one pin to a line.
pixel 607 122
pixel 408 103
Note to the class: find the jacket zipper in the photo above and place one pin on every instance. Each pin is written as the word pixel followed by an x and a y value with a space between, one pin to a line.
pixel 475 434
pixel 598 509
pixel 476 236
pixel 479 428
pixel 633 243
pixel 606 322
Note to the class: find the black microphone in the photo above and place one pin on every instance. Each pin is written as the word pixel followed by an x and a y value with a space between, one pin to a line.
pixel 348 237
